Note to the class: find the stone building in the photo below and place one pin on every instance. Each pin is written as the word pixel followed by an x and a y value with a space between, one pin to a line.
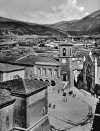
pixel 49 69
pixel 65 61
pixel 40 67
pixel 91 72
pixel 6 110
pixel 28 108
pixel 9 72
pixel 46 68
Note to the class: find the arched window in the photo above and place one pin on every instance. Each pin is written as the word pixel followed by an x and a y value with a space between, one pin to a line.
pixel 55 73
pixel 64 52
pixel 39 72
pixel 44 72
pixel 49 73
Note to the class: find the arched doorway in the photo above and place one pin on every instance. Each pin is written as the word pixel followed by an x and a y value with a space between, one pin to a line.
pixel 53 83
pixel 64 77
pixel 35 79
pixel 47 80
pixel 41 79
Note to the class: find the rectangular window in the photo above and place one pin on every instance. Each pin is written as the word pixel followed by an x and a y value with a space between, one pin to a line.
pixel 70 51
pixel 10 77
pixel 7 121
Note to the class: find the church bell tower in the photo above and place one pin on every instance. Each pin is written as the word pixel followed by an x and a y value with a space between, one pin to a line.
pixel 65 60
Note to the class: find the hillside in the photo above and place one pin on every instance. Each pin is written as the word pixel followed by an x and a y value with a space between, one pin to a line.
pixel 63 25
pixel 89 25
pixel 10 27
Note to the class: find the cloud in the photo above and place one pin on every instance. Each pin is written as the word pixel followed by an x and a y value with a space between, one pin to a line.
pixel 41 11
pixel 63 12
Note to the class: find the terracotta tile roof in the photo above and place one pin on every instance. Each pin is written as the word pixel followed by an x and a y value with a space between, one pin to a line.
pixel 4 96
pixel 31 59
pixel 23 86
pixel 8 67
pixel 46 59
pixel 11 58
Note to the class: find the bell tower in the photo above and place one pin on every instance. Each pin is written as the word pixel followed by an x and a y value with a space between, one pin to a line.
pixel 65 60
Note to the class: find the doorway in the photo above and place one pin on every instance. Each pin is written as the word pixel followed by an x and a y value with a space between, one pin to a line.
pixel 64 77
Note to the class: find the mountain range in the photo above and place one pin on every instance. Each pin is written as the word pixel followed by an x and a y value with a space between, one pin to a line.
pixel 89 25
pixel 10 27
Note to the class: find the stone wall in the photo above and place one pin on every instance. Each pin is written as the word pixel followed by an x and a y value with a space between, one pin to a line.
pixel 6 118
pixel 36 107
pixel 20 112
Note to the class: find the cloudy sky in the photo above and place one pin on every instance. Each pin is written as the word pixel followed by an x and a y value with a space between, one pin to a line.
pixel 47 11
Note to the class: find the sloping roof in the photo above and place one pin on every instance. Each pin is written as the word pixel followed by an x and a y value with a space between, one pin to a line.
pixel 23 86
pixel 8 67
pixel 88 58
pixel 46 59
pixel 4 96
pixel 31 59
pixel 11 58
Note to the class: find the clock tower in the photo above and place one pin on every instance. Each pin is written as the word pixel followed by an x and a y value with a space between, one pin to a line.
pixel 65 60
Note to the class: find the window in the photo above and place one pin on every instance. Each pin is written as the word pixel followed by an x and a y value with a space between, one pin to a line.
pixel 39 72
pixel 55 73
pixel 10 77
pixel 7 121
pixel 70 51
pixel 49 73
pixel 26 74
pixel 64 52
pixel 35 70
pixel 43 111
pixel 44 72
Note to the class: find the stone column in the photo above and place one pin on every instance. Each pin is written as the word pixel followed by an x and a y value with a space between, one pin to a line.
pixel 95 70
pixel 71 73
pixel 41 71
pixel 84 76
pixel 52 72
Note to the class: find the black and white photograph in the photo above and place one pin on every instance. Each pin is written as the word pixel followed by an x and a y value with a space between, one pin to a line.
pixel 49 65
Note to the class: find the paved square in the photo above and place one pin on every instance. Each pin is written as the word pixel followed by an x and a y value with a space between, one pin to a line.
pixel 69 115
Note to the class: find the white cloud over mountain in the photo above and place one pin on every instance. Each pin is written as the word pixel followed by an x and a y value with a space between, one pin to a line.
pixel 32 11
pixel 64 12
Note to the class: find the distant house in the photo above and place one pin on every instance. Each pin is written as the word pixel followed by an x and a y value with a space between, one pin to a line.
pixel 9 72
pixel 29 110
